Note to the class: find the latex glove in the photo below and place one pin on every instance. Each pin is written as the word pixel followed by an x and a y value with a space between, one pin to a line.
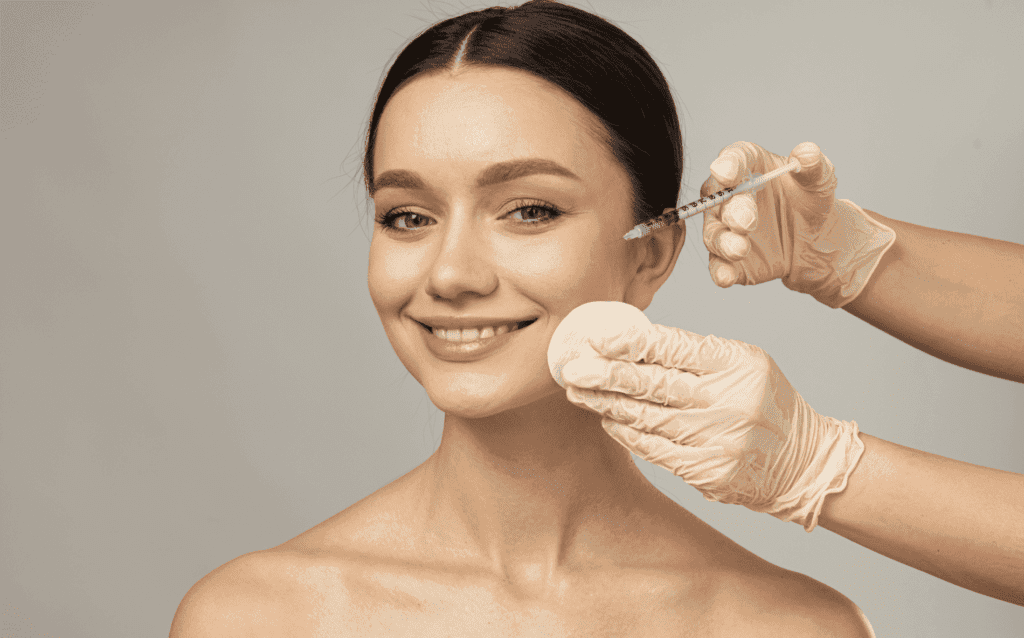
pixel 715 412
pixel 793 229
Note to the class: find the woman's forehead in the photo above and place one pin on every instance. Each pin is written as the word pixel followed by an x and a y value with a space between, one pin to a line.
pixel 487 114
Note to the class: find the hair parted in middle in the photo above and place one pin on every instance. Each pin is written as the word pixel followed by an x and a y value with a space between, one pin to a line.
pixel 594 61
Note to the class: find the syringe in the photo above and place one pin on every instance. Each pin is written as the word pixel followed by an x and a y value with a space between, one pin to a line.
pixel 755 182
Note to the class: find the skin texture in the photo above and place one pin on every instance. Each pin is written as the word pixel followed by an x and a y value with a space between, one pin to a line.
pixel 528 519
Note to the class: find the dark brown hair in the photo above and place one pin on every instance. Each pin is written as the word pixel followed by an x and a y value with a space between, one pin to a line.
pixel 593 60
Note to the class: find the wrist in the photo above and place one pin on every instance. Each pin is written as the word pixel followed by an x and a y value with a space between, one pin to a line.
pixel 832 453
pixel 836 266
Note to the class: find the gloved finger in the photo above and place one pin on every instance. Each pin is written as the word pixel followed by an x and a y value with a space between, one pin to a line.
pixel 709 187
pixel 740 214
pixel 619 407
pixel 642 381
pixel 732 246
pixel 817 175
pixel 694 426
pixel 739 159
pixel 720 241
pixel 726 169
pixel 731 165
pixel 703 467
pixel 666 346
pixel 723 272
pixel 683 350
pixel 668 423
pixel 687 462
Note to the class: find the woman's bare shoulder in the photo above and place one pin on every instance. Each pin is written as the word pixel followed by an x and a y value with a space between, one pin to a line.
pixel 745 595
pixel 771 601
pixel 278 591
pixel 293 588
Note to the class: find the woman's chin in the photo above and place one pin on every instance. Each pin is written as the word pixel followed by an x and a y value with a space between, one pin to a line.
pixel 484 398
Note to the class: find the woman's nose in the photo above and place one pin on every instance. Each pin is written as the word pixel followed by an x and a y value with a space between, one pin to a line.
pixel 464 263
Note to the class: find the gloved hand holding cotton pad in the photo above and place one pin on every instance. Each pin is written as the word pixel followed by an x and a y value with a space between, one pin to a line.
pixel 717 413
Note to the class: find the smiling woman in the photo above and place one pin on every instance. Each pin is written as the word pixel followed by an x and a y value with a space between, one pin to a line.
pixel 508 152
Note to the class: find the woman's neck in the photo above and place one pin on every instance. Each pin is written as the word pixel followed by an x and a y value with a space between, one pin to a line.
pixel 527 492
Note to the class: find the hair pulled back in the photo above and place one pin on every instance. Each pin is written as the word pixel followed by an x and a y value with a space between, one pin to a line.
pixel 593 60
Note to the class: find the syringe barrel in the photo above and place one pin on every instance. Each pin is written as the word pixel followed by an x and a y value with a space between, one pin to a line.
pixel 753 182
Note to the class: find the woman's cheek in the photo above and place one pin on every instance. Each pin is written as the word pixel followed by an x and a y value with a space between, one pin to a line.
pixel 392 274
pixel 555 266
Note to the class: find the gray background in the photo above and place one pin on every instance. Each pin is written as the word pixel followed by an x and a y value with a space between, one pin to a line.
pixel 190 364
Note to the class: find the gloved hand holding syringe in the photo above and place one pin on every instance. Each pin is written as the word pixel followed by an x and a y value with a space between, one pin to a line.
pixel 760 225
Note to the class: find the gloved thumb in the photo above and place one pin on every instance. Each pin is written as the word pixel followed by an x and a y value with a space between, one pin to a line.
pixel 817 175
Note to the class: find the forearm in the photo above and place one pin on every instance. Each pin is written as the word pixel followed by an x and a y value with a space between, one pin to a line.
pixel 957 297
pixel 960 522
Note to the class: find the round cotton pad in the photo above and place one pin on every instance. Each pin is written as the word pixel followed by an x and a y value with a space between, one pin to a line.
pixel 593 319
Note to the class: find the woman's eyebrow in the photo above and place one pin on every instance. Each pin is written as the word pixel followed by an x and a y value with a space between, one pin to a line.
pixel 514 169
pixel 493 174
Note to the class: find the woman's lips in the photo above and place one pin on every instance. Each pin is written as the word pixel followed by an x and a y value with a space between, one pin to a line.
pixel 466 351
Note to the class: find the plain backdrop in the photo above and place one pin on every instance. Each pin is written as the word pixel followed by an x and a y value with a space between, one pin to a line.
pixel 190 364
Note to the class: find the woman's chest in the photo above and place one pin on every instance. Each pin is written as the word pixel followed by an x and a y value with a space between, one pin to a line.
pixel 457 618
pixel 396 605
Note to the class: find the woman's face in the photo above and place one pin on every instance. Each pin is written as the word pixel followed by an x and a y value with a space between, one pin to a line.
pixel 504 206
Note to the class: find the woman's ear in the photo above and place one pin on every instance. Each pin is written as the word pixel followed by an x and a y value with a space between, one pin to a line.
pixel 654 258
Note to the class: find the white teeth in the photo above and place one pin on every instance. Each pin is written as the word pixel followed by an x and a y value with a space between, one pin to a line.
pixel 473 334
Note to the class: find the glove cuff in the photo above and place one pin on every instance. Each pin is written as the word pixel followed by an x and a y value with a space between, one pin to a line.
pixel 837 453
pixel 837 265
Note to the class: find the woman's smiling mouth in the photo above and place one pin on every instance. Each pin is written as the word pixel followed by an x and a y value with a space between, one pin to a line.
pixel 476 333
pixel 470 344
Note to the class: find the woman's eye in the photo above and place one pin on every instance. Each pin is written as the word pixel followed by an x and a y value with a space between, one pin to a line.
pixel 529 213
pixel 412 220
pixel 538 214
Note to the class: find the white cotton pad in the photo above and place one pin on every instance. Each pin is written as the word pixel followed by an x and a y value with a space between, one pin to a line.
pixel 593 319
